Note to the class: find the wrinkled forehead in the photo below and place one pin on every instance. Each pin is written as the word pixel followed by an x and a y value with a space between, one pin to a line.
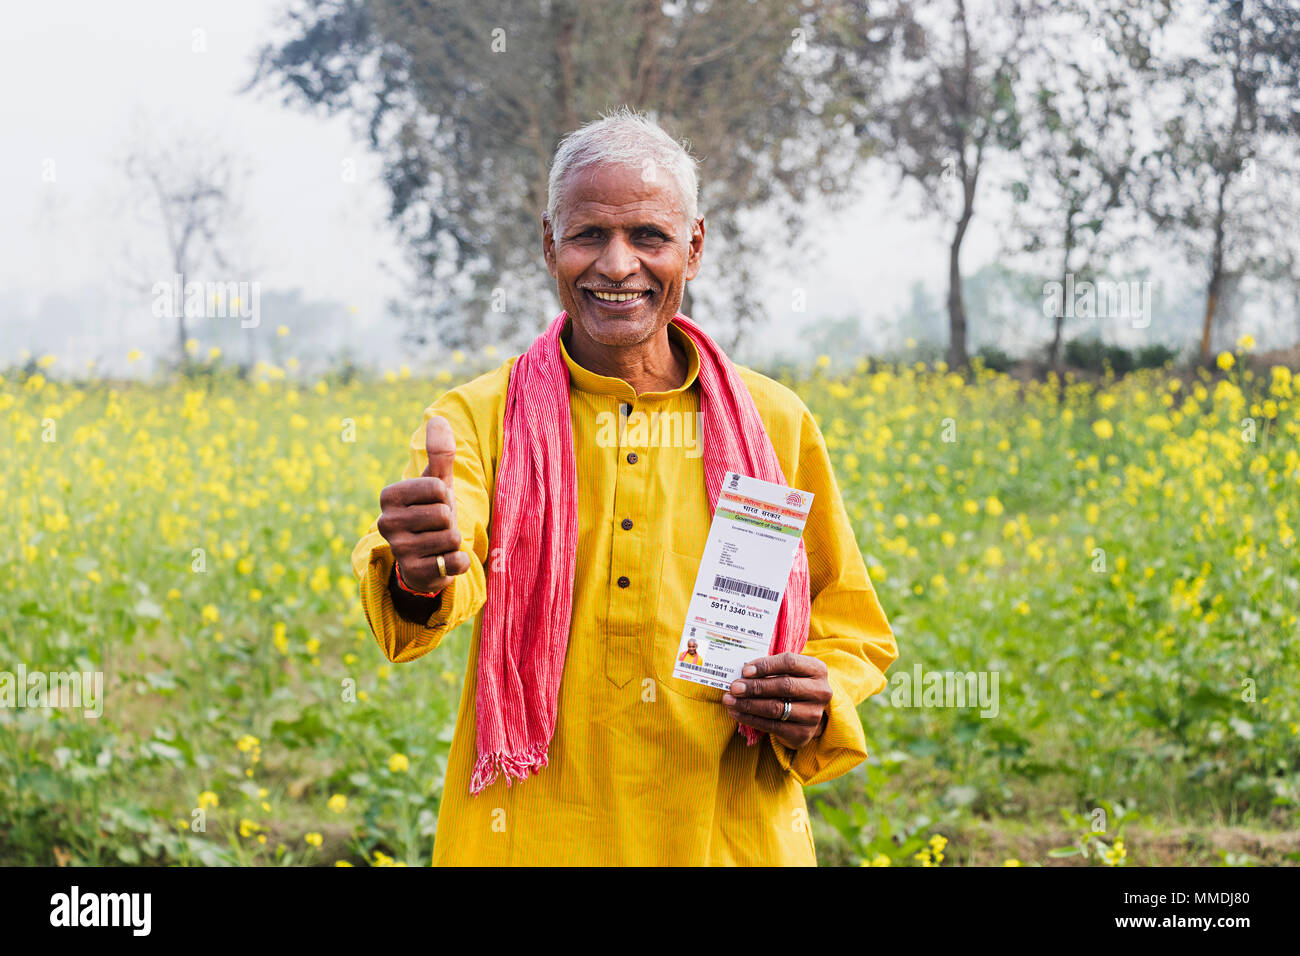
pixel 622 195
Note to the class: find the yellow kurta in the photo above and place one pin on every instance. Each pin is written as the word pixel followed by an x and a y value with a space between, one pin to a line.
pixel 644 769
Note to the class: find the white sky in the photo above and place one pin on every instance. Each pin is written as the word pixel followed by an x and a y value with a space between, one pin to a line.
pixel 78 74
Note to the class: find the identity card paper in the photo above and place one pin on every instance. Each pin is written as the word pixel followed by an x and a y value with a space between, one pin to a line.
pixel 743 573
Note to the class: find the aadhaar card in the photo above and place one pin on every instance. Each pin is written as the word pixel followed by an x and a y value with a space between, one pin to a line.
pixel 742 578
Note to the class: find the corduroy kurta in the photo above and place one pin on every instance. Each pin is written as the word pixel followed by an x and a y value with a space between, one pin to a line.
pixel 643 769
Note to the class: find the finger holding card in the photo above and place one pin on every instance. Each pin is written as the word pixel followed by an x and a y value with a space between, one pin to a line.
pixel 759 697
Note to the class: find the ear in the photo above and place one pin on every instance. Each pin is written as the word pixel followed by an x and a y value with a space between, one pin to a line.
pixel 695 252
pixel 548 246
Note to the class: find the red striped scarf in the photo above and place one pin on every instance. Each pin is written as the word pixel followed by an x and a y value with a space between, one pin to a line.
pixel 527 614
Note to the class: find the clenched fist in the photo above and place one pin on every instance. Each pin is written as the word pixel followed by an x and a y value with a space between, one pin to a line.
pixel 418 516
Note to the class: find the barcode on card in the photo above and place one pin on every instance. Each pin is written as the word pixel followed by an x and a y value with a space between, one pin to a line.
pixel 744 587
pixel 705 668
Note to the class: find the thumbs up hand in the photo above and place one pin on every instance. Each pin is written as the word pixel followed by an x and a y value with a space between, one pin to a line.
pixel 440 448
pixel 418 516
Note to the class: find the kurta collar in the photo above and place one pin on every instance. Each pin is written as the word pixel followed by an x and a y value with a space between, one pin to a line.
pixel 586 380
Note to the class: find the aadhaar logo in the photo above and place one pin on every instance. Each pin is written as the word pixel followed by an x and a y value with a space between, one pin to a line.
pixel 795 499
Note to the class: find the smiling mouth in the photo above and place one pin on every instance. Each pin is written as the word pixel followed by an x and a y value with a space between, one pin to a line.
pixel 618 298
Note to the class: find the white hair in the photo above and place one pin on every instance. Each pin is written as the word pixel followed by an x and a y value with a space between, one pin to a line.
pixel 624 138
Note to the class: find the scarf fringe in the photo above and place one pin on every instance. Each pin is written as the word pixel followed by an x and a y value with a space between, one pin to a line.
pixel 519 765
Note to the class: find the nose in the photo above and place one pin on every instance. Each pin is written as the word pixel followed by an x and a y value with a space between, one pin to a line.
pixel 617 259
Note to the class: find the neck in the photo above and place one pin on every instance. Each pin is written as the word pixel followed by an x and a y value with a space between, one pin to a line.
pixel 658 364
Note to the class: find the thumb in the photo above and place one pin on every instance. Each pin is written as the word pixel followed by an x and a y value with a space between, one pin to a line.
pixel 440 446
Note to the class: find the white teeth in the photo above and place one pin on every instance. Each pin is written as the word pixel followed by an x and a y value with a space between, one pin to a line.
pixel 615 296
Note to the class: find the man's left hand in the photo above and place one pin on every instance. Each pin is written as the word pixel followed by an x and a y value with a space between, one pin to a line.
pixel 758 698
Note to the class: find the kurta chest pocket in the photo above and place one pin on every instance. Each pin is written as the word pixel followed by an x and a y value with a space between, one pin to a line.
pixel 676 581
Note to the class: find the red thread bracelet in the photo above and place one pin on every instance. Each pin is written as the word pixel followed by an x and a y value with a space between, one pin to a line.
pixel 402 584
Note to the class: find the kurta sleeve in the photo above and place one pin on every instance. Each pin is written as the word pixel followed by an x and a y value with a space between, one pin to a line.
pixel 372 558
pixel 847 631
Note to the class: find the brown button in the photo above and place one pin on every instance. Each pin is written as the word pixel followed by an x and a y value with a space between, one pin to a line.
pixel 631 458
pixel 627 524
pixel 624 582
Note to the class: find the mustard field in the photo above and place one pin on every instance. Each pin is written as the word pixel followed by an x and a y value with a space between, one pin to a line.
pixel 1108 569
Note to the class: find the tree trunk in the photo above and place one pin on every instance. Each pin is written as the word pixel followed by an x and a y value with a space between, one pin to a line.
pixel 957 357
pixel 1054 353
pixel 178 303
pixel 1211 302
pixel 1216 273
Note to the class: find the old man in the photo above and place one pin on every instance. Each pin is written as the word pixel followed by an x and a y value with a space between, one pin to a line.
pixel 574 548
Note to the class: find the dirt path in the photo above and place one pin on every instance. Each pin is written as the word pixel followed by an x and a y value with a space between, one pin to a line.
pixel 988 845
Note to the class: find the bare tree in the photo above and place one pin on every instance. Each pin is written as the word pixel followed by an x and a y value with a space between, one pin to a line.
pixel 1222 177
pixel 466 103
pixel 186 188
pixel 1078 154
pixel 941 81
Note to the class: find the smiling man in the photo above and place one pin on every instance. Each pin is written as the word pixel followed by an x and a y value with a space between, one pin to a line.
pixel 574 549
pixel 692 653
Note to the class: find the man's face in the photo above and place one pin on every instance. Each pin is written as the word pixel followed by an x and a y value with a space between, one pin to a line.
pixel 621 234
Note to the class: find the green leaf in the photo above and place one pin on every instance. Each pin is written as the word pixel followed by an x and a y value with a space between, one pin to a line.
pixel 161 680
pixel 147 608
pixel 306 729
pixel 1243 728
pixel 128 855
